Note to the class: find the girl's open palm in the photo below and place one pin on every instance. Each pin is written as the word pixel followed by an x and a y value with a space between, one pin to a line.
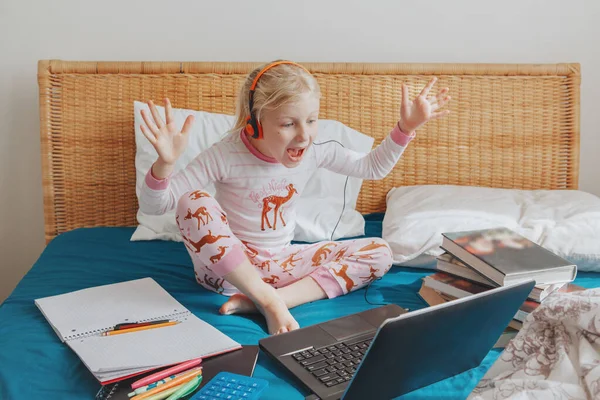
pixel 422 109
pixel 168 140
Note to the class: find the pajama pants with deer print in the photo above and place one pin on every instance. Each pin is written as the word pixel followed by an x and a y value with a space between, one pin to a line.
pixel 338 267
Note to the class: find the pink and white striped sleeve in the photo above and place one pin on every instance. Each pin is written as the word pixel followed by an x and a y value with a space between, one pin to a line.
pixel 373 165
pixel 159 196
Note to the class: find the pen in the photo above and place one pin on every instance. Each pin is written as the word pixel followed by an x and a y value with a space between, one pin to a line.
pixel 175 382
pixel 160 382
pixel 166 393
pixel 165 373
pixel 127 325
pixel 183 389
pixel 141 328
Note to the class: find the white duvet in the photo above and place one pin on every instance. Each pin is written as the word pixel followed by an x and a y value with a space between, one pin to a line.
pixel 556 355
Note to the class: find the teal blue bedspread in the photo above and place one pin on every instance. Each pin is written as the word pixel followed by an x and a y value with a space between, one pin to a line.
pixel 34 364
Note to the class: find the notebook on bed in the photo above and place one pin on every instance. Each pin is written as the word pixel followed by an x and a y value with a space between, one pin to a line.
pixel 80 318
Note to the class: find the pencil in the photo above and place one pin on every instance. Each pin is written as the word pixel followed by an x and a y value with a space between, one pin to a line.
pixel 175 382
pixel 166 393
pixel 184 366
pixel 178 391
pixel 185 388
pixel 141 328
pixel 152 385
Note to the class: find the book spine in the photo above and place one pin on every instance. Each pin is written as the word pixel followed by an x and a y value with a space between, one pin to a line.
pixel 175 316
pixel 521 316
pixel 472 260
pixel 477 277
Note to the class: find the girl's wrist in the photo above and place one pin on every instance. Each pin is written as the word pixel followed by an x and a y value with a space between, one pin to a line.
pixel 161 170
pixel 402 126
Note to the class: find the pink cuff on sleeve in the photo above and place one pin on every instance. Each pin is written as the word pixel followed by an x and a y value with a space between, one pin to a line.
pixel 229 262
pixel 156 184
pixel 400 137
pixel 327 282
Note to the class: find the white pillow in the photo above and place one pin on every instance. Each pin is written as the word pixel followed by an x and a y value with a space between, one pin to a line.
pixel 566 222
pixel 318 208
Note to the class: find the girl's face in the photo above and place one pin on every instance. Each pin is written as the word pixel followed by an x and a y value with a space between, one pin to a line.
pixel 289 130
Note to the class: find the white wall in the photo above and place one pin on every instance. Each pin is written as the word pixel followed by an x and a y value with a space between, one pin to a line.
pixel 479 31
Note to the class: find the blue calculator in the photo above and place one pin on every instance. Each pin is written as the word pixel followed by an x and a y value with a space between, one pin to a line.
pixel 229 386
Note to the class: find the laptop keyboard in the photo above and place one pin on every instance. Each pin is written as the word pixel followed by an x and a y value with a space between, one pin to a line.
pixel 335 364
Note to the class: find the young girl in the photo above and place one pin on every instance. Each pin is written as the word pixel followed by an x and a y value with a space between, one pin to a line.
pixel 239 241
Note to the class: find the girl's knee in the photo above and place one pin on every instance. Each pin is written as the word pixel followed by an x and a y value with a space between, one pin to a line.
pixel 197 212
pixel 381 243
pixel 194 204
pixel 379 246
pixel 379 250
pixel 386 252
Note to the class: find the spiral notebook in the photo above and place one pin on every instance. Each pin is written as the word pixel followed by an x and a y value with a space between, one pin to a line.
pixel 79 319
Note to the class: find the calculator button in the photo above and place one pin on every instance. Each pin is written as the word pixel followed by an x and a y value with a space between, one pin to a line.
pixel 227 386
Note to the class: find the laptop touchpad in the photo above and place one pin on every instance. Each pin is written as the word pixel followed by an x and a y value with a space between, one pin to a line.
pixel 344 327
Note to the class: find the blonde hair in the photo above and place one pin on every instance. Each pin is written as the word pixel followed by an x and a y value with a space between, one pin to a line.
pixel 279 85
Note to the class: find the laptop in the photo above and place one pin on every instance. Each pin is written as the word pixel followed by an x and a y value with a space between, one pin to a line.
pixel 386 352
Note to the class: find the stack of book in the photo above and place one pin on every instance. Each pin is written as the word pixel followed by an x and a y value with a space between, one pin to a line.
pixel 476 261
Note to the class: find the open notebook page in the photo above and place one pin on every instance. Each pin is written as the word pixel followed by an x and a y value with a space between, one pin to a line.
pixel 192 338
pixel 97 309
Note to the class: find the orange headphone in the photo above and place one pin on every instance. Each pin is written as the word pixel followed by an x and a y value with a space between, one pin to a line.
pixel 253 127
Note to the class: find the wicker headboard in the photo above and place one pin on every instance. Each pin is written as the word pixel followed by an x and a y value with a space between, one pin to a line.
pixel 511 126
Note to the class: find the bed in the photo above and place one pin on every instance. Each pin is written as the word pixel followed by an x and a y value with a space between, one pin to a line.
pixel 511 126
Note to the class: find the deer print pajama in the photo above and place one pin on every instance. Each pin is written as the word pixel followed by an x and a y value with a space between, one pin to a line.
pixel 252 214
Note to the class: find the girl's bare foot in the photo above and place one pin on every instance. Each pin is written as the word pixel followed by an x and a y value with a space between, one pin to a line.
pixel 300 292
pixel 279 319
pixel 238 304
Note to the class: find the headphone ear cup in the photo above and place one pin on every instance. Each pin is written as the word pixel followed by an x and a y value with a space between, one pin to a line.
pixel 259 130
pixel 254 129
pixel 251 128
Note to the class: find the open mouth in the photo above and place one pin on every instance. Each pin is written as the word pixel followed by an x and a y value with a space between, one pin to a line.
pixel 295 154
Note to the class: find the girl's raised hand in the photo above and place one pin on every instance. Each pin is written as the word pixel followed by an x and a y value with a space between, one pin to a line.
pixel 422 109
pixel 169 140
